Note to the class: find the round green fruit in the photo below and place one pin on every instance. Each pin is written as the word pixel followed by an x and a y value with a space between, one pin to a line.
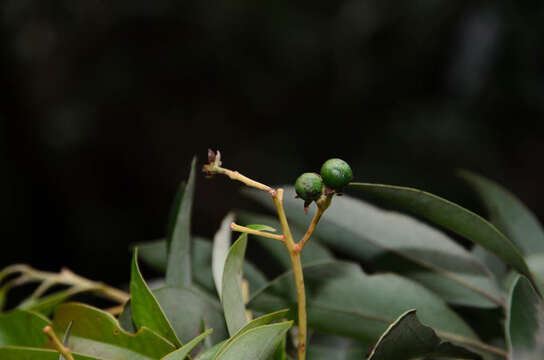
pixel 309 186
pixel 336 174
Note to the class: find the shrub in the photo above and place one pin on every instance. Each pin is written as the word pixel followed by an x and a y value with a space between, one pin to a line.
pixel 215 304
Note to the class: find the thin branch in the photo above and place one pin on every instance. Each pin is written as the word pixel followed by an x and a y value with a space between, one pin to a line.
pixel 65 351
pixel 243 229
pixel 310 230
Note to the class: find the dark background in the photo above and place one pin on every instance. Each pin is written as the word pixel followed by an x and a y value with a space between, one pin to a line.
pixel 105 102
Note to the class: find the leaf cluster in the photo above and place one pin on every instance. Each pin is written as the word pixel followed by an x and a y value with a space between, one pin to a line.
pixel 409 291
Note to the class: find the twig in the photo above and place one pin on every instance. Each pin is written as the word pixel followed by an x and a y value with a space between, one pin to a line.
pixel 243 229
pixel 65 351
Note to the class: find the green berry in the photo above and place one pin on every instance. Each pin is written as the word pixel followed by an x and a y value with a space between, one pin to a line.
pixel 309 186
pixel 336 174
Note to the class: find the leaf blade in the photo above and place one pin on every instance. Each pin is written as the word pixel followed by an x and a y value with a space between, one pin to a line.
pixel 451 216
pixel 178 271
pixel 220 250
pixel 408 338
pixel 525 319
pixel 97 333
pixel 181 353
pixel 260 321
pixel 344 301
pixel 394 241
pixel 508 213
pixel 256 344
pixel 29 353
pixel 186 320
pixel 231 292
pixel 22 328
pixel 146 310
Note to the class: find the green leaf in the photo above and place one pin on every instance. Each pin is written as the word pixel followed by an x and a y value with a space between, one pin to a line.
pixel 451 216
pixel 328 232
pixel 182 352
pixel 221 245
pixel 97 333
pixel 22 328
pixel 260 321
pixel 280 352
pixel 178 271
pixel 405 245
pixel 525 321
pixel 173 214
pixel 536 264
pixel 27 353
pixel 66 338
pixel 154 254
pixel 125 318
pixel 508 213
pixel 328 347
pixel 495 265
pixel 313 250
pixel 209 354
pixel 231 292
pixel 186 308
pixel 146 311
pixel 407 338
pixel 344 301
pixel 257 344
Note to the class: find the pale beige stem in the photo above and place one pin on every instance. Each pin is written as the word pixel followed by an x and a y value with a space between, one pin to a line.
pixel 243 229
pixel 297 273
pixel 57 344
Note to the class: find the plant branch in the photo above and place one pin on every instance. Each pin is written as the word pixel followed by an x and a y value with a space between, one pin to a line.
pixel 243 229
pixel 214 167
pixel 297 273
pixel 322 204
pixel 64 277
pixel 310 230
pixel 235 175
pixel 65 351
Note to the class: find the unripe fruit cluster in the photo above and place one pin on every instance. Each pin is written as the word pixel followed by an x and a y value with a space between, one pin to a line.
pixel 335 174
